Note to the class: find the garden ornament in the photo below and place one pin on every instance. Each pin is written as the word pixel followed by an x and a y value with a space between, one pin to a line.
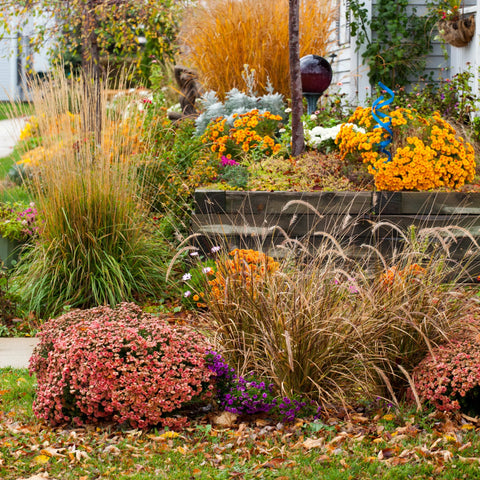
pixel 383 120
pixel 190 90
pixel 316 75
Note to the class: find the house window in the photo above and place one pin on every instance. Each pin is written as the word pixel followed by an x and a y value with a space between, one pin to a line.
pixel 342 22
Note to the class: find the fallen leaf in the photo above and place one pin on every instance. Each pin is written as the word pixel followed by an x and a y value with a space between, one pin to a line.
pixel 225 419
pixel 339 439
pixel 310 443
pixel 359 418
pixel 324 459
pixel 261 422
pixel 275 462
pixel 470 419
pixel 386 453
pixel 39 476
pixel 112 449
pixel 469 459
pixel 446 454
pixel 389 417
pixel 465 446
pixel 52 452
pixel 41 459
pixel 181 450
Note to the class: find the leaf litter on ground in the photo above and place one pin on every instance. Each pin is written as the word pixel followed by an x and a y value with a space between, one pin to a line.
pixel 240 447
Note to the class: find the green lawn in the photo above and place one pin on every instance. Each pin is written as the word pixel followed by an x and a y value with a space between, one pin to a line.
pixel 9 110
pixel 11 192
pixel 379 445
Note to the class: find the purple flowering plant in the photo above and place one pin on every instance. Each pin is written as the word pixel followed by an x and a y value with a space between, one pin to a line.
pixel 249 396
pixel 18 221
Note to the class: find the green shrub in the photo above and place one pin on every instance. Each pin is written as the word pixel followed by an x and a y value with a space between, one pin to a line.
pixel 174 166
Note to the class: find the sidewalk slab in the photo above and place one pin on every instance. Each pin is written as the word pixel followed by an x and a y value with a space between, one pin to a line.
pixel 10 134
pixel 16 352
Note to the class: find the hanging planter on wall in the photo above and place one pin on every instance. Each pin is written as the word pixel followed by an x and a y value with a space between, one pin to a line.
pixel 457 32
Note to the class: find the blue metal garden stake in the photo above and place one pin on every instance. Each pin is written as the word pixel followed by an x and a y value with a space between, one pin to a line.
pixel 383 120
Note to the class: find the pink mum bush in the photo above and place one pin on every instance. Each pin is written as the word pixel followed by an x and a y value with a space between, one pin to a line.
pixel 118 364
pixel 450 378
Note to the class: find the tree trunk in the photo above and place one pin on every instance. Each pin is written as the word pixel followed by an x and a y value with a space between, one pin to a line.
pixel 298 140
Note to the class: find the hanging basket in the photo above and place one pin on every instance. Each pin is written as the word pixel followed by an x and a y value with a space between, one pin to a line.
pixel 457 32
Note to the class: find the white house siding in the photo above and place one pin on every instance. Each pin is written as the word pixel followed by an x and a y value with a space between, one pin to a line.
pixel 468 57
pixel 352 74
pixel 8 69
pixel 13 66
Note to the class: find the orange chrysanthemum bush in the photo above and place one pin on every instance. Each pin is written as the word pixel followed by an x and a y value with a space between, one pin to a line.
pixel 118 365
pixel 242 271
pixel 394 274
pixel 251 132
pixel 449 377
pixel 426 152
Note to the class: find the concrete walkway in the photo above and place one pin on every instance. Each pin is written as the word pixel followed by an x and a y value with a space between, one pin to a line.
pixel 10 134
pixel 16 352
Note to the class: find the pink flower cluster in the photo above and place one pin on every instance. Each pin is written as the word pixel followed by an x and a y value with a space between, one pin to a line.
pixel 450 378
pixel 118 364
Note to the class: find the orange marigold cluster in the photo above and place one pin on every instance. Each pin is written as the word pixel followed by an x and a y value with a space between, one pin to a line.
pixel 245 269
pixel 395 274
pixel 426 153
pixel 250 131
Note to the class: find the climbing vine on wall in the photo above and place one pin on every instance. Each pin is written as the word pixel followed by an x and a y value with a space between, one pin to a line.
pixel 396 39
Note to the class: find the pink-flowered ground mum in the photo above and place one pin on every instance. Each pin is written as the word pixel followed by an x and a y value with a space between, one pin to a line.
pixel 120 365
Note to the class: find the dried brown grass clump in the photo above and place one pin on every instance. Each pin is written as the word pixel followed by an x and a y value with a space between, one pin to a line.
pixel 336 328
pixel 220 37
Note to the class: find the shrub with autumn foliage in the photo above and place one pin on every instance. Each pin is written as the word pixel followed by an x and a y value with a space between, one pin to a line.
pixel 426 151
pixel 118 364
pixel 449 377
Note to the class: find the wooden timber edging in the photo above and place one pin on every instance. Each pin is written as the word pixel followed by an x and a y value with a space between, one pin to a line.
pixel 264 220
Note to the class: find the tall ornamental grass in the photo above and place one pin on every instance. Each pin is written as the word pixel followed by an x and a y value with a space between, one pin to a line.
pixel 337 327
pixel 220 37
pixel 95 245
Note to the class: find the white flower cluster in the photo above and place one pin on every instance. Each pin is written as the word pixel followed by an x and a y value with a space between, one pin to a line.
pixel 317 135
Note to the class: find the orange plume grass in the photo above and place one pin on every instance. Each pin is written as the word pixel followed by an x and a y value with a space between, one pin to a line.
pixel 219 37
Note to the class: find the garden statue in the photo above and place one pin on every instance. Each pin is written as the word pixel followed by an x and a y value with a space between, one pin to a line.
pixel 190 90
